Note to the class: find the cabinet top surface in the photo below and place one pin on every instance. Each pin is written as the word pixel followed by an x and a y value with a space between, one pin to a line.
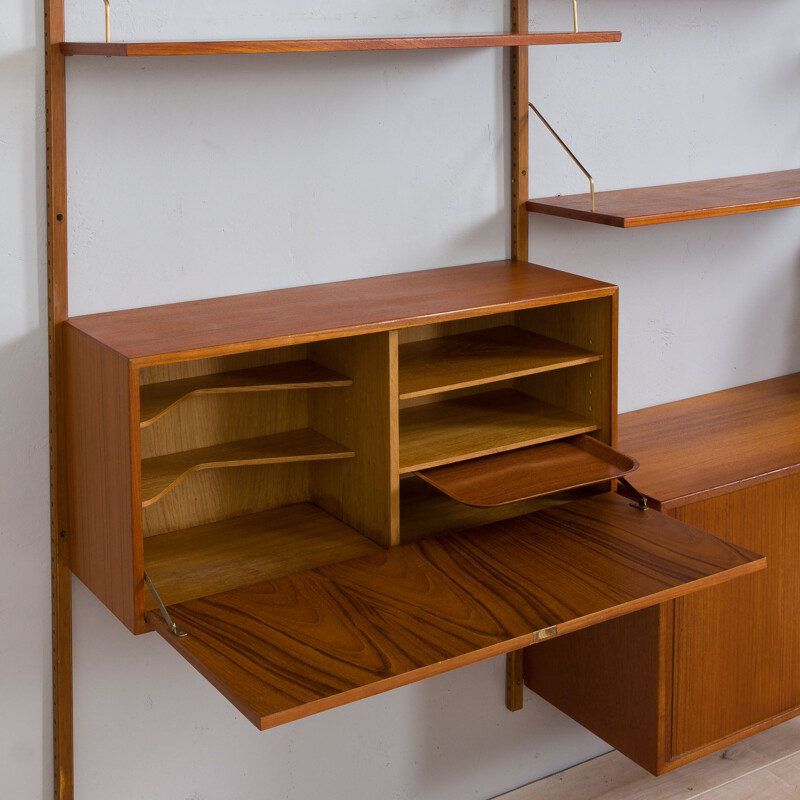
pixel 693 449
pixel 219 326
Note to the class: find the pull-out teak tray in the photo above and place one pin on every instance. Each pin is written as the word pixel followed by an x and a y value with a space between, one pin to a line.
pixel 290 647
pixel 529 472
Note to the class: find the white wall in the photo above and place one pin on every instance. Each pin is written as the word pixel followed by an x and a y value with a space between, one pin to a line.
pixel 196 177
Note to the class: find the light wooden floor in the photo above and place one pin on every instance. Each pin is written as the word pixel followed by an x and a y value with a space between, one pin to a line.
pixel 764 767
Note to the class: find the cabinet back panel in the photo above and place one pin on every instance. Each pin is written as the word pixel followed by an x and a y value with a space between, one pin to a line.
pixel 216 494
pixel 209 366
pixel 211 419
pixel 436 331
pixel 590 389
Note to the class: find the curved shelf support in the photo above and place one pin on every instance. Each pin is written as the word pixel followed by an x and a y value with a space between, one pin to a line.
pixel 563 144
pixel 161 474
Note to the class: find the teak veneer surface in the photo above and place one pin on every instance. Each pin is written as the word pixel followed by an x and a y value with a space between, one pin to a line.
pixel 653 205
pixel 694 449
pixel 162 473
pixel 479 425
pixel 156 399
pixel 213 558
pixel 529 472
pixel 204 328
pixel 322 638
pixel 471 359
pixel 335 45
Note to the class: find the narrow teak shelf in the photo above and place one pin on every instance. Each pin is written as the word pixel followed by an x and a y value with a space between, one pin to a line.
pixel 319 639
pixel 335 45
pixel 223 555
pixel 530 472
pixel 471 359
pixel 481 424
pixel 156 399
pixel 162 473
pixel 654 205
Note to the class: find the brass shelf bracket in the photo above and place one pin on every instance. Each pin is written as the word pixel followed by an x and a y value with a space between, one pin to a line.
pixel 575 15
pixel 107 5
pixel 569 152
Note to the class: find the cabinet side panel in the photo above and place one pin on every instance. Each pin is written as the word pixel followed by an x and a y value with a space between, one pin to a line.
pixel 103 550
pixel 738 645
pixel 590 389
pixel 610 679
pixel 362 491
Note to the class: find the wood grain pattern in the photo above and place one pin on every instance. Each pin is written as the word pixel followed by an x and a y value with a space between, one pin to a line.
pixel 334 45
pixel 205 328
pixel 472 359
pixel 478 425
pixel 163 473
pixel 704 446
pixel 529 472
pixel 362 491
pixel 328 636
pixel 105 550
pixel 654 205
pixel 156 399
pixel 213 558
pixel 737 649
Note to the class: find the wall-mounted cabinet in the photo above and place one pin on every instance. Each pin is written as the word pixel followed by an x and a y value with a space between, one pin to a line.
pixel 340 489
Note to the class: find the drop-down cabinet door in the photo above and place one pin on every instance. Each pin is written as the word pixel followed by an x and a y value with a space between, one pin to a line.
pixel 290 647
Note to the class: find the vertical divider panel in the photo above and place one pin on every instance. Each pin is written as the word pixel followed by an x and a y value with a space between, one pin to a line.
pixel 362 491
pixel 589 389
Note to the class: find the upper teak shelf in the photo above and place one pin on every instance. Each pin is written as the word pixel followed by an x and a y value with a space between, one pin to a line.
pixel 655 205
pixel 334 45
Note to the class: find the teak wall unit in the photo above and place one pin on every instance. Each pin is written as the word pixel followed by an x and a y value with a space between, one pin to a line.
pixel 284 464
pixel 670 684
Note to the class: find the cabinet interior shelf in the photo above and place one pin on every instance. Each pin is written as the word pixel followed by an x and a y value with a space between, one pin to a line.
pixel 479 425
pixel 325 637
pixel 529 472
pixel 655 205
pixel 156 399
pixel 223 555
pixel 163 473
pixel 109 49
pixel 472 359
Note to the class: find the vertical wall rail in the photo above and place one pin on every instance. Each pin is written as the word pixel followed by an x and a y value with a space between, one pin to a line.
pixel 55 108
pixel 519 134
pixel 518 85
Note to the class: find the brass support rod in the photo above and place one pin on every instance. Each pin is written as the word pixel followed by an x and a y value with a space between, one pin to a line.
pixel 575 15
pixel 108 20
pixel 569 152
